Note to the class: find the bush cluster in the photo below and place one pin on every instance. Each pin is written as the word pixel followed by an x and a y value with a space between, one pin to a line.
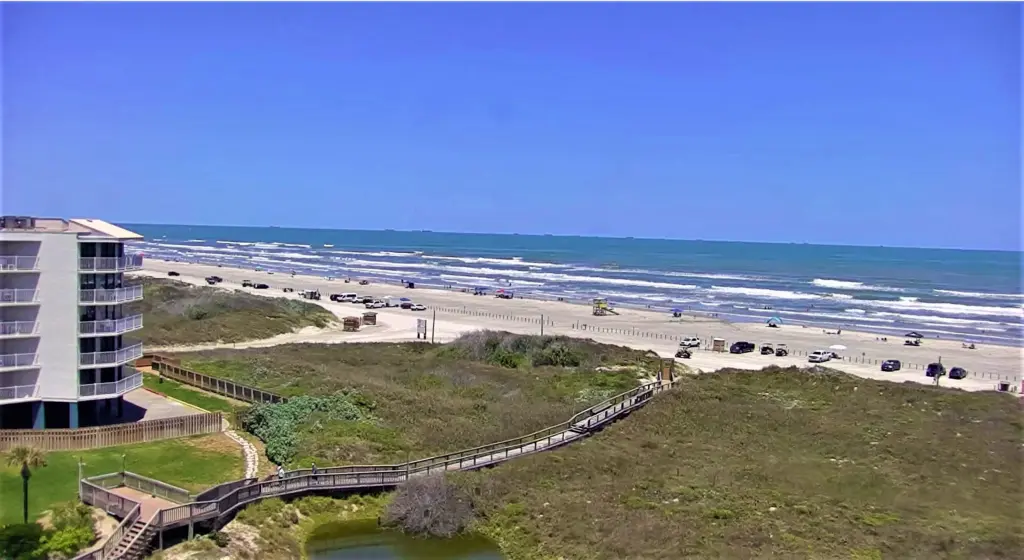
pixel 72 531
pixel 516 350
pixel 278 424
pixel 430 505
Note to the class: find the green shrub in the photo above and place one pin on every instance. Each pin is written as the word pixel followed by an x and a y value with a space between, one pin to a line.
pixel 277 424
pixel 21 541
pixel 71 515
pixel 66 543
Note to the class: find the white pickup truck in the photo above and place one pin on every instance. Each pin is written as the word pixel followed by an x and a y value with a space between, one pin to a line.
pixel 690 342
pixel 819 356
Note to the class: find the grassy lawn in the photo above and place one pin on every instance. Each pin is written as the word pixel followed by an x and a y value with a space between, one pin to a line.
pixel 779 463
pixel 184 393
pixel 193 463
pixel 176 313
pixel 421 399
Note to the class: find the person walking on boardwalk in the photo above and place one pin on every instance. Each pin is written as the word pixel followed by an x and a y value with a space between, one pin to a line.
pixel 280 472
pixel 313 469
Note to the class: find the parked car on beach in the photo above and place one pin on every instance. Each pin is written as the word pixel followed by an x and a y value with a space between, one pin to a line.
pixel 767 349
pixel 892 365
pixel 741 347
pixel 781 350
pixel 246 283
pixel 418 307
pixel 958 373
pixel 173 273
pixel 690 342
pixel 935 369
pixel 819 356
pixel 261 286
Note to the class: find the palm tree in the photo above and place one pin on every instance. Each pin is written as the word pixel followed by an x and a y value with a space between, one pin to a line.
pixel 29 458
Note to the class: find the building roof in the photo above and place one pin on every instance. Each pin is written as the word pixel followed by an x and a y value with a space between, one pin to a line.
pixel 105 229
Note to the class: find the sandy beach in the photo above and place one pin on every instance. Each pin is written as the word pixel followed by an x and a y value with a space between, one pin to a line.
pixel 459 312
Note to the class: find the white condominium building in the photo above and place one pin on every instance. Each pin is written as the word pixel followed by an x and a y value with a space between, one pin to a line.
pixel 65 359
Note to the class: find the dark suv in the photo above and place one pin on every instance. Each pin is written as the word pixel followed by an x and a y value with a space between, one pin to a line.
pixel 741 347
pixel 935 370
pixel 958 373
pixel 891 365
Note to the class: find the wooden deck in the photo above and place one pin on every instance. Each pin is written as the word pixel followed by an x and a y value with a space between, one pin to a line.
pixel 151 505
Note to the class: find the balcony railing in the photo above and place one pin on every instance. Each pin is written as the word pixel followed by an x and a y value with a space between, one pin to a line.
pixel 112 358
pixel 17 392
pixel 8 264
pixel 113 295
pixel 15 295
pixel 19 328
pixel 110 264
pixel 120 387
pixel 110 326
pixel 19 360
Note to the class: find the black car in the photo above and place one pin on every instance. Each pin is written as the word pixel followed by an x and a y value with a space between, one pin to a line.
pixel 684 353
pixel 935 370
pixel 767 350
pixel 287 290
pixel 173 273
pixel 741 347
pixel 260 286
pixel 958 373
pixel 891 365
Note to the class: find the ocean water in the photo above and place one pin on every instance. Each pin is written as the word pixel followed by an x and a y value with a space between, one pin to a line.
pixel 969 295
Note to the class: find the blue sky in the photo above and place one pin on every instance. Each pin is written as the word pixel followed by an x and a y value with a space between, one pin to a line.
pixel 894 124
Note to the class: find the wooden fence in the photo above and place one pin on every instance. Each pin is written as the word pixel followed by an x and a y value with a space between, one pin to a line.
pixel 169 368
pixel 75 439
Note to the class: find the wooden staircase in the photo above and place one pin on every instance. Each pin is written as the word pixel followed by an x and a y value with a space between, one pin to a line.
pixel 136 543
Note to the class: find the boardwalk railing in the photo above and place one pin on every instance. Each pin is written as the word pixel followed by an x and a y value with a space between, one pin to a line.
pixel 73 439
pixel 212 384
pixel 225 499
pixel 675 338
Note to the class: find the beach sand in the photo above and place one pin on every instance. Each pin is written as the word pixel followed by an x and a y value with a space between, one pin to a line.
pixel 459 312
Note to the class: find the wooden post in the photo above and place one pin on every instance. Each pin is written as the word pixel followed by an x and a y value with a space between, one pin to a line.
pixel 542 325
pixel 433 325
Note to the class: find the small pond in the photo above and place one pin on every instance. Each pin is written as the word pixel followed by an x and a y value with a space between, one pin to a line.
pixel 364 540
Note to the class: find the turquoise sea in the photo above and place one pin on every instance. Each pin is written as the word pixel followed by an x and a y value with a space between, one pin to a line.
pixel 970 295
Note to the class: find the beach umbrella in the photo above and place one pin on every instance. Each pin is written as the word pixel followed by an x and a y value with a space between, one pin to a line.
pixel 776 320
pixel 837 347
pixel 914 334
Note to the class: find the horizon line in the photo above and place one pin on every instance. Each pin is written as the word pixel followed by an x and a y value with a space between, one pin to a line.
pixel 307 228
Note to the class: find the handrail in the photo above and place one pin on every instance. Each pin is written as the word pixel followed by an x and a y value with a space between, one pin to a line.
pixel 245 491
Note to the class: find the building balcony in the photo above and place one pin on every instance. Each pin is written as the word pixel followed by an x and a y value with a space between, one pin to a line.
pixel 105 327
pixel 13 329
pixel 133 381
pixel 111 358
pixel 18 392
pixel 19 264
pixel 14 296
pixel 111 296
pixel 110 264
pixel 19 361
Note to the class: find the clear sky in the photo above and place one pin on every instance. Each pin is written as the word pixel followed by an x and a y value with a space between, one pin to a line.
pixel 894 124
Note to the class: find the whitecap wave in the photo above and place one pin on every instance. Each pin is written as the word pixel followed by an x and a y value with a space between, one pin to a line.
pixel 851 285
pixel 978 295
pixel 763 293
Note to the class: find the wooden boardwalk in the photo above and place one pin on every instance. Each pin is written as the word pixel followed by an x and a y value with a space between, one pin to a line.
pixel 162 506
